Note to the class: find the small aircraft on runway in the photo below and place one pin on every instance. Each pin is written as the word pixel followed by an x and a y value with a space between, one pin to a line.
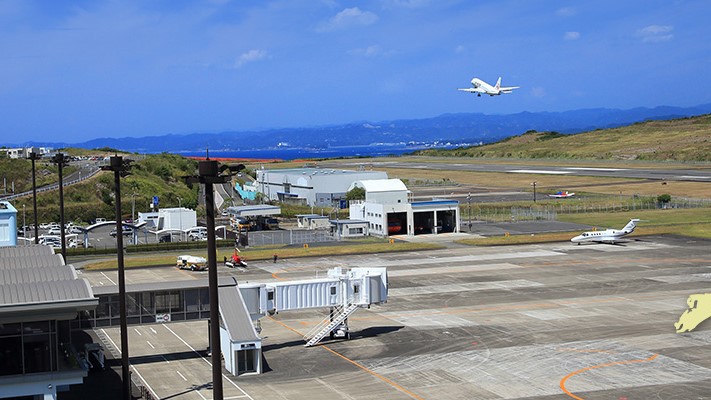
pixel 481 87
pixel 561 195
pixel 608 235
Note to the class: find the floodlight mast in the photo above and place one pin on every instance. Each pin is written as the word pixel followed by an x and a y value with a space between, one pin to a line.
pixel 61 161
pixel 120 168
pixel 34 157
pixel 208 174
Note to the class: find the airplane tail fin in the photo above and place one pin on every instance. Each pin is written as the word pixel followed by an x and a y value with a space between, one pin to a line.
pixel 629 228
pixel 498 83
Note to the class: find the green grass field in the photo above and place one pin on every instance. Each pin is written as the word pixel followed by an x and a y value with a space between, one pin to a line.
pixel 267 252
pixel 694 223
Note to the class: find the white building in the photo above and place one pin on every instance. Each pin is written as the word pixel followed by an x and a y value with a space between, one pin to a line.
pixel 312 221
pixel 169 219
pixel 388 211
pixel 24 152
pixel 318 186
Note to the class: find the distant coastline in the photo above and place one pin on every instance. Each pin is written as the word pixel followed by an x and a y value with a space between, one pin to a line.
pixel 282 154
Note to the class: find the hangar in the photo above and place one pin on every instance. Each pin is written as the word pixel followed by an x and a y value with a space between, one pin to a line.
pixel 389 210
pixel 317 186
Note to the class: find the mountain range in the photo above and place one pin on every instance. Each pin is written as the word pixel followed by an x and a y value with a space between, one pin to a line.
pixel 455 129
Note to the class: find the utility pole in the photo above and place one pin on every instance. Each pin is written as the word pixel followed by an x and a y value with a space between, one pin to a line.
pixel 534 191
pixel 61 161
pixel 120 168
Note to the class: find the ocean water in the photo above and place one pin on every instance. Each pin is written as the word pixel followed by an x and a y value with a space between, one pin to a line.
pixel 299 153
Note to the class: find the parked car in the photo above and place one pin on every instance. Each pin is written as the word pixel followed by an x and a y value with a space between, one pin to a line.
pixel 55 231
pixel 165 239
pixel 197 236
pixel 52 241
pixel 125 231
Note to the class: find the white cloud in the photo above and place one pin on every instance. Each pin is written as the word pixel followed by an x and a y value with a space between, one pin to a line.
pixel 460 49
pixel 347 18
pixel 571 36
pixel 655 33
pixel 250 56
pixel 566 12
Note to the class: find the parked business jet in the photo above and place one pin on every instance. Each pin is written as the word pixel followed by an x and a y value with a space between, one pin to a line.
pixel 481 87
pixel 608 235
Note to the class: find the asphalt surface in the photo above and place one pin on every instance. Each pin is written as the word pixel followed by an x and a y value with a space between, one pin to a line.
pixel 551 321
pixel 701 174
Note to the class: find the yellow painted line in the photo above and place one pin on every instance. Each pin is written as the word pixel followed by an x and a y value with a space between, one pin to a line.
pixel 587 351
pixel 572 374
pixel 355 363
pixel 292 269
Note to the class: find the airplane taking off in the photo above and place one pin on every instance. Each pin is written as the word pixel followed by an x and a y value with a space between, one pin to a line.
pixel 481 87
pixel 561 195
pixel 608 235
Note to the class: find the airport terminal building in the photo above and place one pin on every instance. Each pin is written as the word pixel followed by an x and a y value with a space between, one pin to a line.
pixel 318 187
pixel 40 335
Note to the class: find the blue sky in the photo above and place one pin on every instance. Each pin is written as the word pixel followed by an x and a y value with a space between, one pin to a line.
pixel 77 70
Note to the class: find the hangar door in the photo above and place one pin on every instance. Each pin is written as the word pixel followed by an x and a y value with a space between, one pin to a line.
pixel 446 221
pixel 397 223
pixel 424 222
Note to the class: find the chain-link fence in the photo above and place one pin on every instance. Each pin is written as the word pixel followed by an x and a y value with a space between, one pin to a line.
pixel 292 236
pixel 551 212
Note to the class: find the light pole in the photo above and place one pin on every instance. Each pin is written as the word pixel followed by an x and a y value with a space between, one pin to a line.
pixel 61 161
pixel 120 168
pixel 534 191
pixel 34 156
pixel 208 175
pixel 180 216
pixel 133 208
pixel 24 223
pixel 469 209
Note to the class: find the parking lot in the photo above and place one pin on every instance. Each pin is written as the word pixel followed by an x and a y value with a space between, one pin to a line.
pixel 546 321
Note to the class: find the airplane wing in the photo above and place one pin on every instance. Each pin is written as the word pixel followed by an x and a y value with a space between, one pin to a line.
pixel 509 88
pixel 473 90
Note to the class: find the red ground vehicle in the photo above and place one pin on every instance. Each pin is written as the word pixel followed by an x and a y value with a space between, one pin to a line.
pixel 235 261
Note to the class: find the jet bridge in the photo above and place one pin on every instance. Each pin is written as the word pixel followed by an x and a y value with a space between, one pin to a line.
pixel 344 291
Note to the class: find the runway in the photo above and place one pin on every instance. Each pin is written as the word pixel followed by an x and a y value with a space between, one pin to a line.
pixel 554 321
pixel 687 174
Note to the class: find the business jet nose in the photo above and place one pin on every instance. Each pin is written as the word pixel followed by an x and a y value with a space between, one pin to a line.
pixel 576 239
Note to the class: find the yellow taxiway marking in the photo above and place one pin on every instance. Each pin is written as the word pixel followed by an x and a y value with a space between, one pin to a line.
pixel 355 363
pixel 572 374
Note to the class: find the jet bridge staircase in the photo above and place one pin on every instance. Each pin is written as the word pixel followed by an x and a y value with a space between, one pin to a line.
pixel 335 319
